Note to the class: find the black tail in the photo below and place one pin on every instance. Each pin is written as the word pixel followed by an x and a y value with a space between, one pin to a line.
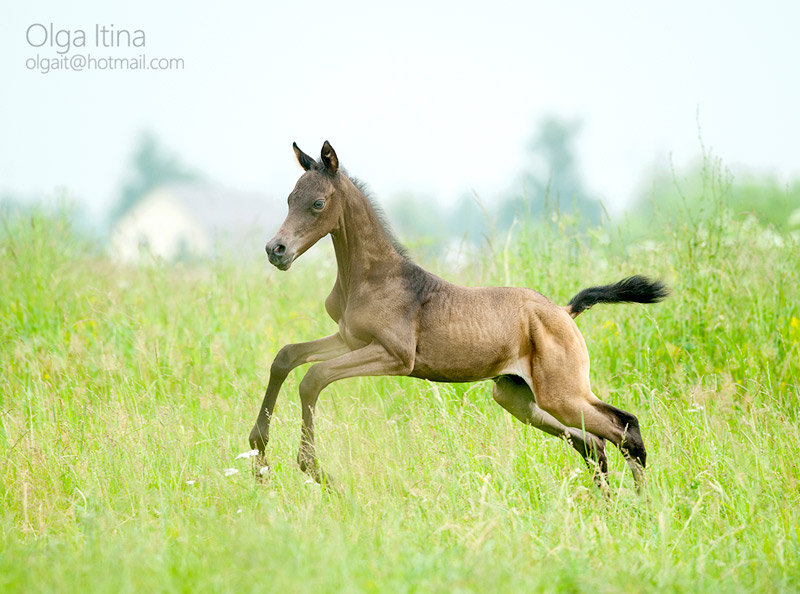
pixel 638 289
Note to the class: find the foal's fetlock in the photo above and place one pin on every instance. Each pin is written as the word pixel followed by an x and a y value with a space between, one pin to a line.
pixel 633 446
pixel 593 450
pixel 307 462
pixel 598 464
pixel 636 456
pixel 599 457
pixel 258 439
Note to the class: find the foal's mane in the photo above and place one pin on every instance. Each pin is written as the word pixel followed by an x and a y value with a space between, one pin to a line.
pixel 379 214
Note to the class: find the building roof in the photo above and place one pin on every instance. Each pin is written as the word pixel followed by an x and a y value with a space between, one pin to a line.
pixel 177 219
pixel 226 212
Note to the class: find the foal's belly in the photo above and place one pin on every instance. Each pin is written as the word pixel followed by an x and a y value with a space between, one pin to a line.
pixel 473 336
pixel 451 375
pixel 457 361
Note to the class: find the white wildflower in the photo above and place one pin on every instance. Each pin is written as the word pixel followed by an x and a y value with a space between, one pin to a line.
pixel 249 454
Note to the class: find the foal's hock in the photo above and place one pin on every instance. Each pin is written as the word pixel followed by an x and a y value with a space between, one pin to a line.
pixel 397 319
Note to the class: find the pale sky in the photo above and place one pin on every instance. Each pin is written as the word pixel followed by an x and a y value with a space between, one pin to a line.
pixel 436 98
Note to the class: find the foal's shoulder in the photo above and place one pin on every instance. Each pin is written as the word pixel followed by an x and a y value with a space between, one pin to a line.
pixel 419 282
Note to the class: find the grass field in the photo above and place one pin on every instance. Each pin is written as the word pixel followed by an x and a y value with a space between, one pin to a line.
pixel 125 394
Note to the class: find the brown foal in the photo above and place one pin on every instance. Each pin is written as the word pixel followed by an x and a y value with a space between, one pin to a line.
pixel 397 319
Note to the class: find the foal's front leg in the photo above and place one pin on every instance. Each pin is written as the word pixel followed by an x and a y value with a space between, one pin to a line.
pixel 287 359
pixel 370 360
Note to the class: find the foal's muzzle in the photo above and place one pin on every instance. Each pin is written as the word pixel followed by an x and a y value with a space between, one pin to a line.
pixel 278 255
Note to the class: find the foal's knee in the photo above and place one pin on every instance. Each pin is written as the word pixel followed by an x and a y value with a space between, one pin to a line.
pixel 514 395
pixel 283 362
pixel 501 393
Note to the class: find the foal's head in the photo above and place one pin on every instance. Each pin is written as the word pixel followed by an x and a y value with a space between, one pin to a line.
pixel 314 207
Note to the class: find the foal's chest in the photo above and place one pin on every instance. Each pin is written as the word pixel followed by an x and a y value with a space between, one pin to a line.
pixel 336 306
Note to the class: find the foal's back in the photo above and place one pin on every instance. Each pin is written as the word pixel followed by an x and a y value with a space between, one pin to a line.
pixel 473 333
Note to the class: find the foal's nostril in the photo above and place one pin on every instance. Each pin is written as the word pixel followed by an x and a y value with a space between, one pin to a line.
pixel 279 249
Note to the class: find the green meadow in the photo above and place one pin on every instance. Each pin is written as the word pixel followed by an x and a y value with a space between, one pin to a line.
pixel 126 394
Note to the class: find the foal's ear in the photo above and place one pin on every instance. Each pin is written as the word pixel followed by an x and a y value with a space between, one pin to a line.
pixel 329 158
pixel 305 161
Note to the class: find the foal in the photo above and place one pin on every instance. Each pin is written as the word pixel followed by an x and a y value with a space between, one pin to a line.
pixel 397 319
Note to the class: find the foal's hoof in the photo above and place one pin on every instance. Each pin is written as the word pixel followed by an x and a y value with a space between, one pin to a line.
pixel 312 469
pixel 260 468
pixel 324 480
pixel 639 479
pixel 261 473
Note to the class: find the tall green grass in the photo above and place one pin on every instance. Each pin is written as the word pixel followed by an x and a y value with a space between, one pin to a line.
pixel 126 392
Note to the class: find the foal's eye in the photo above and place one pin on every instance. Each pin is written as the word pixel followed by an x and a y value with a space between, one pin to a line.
pixel 319 204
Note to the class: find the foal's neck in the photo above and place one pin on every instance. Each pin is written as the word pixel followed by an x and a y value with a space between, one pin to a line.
pixel 361 242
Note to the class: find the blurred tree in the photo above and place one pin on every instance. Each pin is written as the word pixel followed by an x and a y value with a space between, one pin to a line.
pixel 416 216
pixel 552 179
pixel 8 204
pixel 429 228
pixel 151 166
pixel 419 221
pixel 471 220
pixel 708 184
pixel 768 200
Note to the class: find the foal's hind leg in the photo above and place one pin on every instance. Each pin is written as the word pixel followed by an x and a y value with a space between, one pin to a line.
pixel 580 408
pixel 619 427
pixel 514 395
pixel 561 383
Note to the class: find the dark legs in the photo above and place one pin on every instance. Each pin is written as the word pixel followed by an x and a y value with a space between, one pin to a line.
pixel 287 359
pixel 617 426
pixel 337 361
pixel 513 394
pixel 371 360
pixel 564 406
pixel 630 442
